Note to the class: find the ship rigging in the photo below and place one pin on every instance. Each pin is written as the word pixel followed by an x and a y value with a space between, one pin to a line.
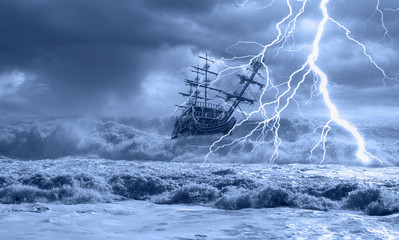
pixel 199 116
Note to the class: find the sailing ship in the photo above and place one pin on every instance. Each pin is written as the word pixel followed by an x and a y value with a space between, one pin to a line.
pixel 199 116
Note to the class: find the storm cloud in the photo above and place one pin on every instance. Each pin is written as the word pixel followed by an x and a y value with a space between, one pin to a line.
pixel 129 57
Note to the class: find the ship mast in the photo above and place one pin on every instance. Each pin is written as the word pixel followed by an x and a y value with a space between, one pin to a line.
pixel 197 78
pixel 196 82
pixel 206 80
pixel 206 72
pixel 247 81
pixel 238 97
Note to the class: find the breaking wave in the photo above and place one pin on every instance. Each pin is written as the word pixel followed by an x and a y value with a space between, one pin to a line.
pixel 226 187
pixel 143 139
pixel 78 166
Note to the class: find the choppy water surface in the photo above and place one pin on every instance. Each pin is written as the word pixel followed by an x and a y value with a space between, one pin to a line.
pixel 144 220
pixel 194 201
pixel 85 191
pixel 133 139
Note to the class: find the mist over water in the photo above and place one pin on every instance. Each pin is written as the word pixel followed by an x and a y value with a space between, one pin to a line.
pixel 143 139
pixel 75 171
pixel 135 158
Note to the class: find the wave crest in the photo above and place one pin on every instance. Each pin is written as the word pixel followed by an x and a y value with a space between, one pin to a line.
pixel 139 139
pixel 181 183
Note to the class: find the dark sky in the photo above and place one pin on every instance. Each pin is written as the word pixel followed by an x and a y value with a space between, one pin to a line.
pixel 129 57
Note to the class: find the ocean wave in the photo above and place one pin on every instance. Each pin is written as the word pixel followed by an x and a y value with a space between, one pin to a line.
pixel 218 186
pixel 143 139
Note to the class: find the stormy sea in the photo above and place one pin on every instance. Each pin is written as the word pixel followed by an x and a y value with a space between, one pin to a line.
pixel 82 178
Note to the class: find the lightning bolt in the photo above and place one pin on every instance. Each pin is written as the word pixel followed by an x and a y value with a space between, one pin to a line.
pixel 242 4
pixel 392 9
pixel 271 119
pixel 386 33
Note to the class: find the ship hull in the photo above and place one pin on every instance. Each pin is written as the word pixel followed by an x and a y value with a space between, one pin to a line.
pixel 193 126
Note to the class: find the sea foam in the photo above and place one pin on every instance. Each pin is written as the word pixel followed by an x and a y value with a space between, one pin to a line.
pixel 75 181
